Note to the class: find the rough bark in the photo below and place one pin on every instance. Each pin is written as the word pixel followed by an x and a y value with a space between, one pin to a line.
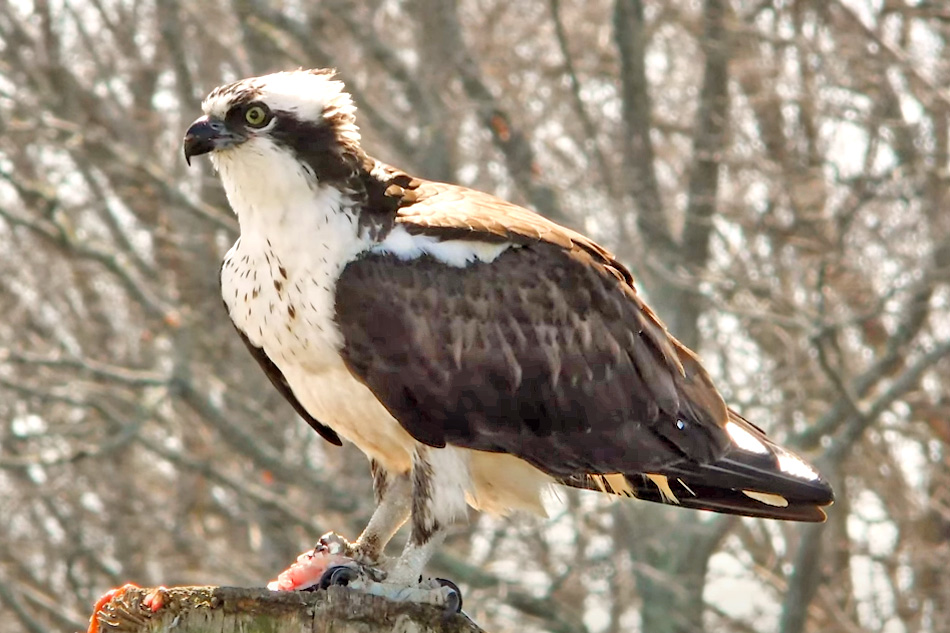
pixel 233 609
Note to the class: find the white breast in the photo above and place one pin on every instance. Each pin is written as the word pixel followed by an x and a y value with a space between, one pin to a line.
pixel 334 397
pixel 284 307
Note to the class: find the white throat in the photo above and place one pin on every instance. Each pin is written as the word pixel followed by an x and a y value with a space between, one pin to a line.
pixel 279 278
pixel 278 198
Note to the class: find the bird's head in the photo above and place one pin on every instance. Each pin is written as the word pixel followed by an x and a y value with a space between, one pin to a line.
pixel 304 114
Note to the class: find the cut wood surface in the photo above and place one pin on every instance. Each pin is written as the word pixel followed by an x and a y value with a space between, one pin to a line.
pixel 234 610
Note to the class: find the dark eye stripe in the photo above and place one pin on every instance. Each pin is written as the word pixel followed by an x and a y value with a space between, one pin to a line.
pixel 314 143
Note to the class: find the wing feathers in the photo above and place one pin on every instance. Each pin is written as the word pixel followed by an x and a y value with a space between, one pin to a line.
pixel 729 501
pixel 548 353
pixel 755 477
pixel 610 402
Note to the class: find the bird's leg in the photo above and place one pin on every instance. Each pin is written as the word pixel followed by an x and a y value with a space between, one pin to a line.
pixel 393 498
pixel 393 493
pixel 425 536
pixel 409 566
pixel 437 500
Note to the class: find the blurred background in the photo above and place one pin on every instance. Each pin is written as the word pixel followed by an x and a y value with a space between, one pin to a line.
pixel 775 172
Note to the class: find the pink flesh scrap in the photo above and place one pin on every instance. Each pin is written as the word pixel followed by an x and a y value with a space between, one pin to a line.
pixel 307 571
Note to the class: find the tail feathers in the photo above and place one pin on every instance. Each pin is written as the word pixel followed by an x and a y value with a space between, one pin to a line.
pixel 746 502
pixel 755 477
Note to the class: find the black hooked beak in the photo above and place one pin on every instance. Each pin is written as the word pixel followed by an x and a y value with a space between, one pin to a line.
pixel 206 135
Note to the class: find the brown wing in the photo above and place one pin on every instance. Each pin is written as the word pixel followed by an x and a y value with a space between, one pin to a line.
pixel 547 353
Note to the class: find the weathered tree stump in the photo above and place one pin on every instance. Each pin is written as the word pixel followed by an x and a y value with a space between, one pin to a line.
pixel 239 610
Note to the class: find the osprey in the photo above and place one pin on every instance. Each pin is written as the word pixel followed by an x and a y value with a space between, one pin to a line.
pixel 475 351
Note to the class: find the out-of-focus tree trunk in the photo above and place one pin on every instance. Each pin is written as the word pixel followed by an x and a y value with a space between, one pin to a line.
pixel 671 579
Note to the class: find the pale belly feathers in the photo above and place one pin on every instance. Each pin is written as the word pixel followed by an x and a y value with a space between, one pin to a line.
pixel 286 308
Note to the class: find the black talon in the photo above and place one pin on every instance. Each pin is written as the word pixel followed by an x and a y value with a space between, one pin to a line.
pixel 338 575
pixel 453 603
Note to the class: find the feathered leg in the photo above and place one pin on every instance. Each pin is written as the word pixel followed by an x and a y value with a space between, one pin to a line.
pixel 439 479
pixel 393 497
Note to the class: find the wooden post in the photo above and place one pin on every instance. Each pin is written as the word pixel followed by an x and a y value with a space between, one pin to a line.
pixel 238 610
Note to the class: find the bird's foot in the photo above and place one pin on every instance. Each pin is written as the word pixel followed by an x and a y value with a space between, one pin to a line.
pixel 435 591
pixel 360 551
pixel 333 543
pixel 323 568
pixel 310 568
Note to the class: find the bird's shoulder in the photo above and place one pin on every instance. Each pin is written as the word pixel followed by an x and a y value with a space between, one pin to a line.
pixel 447 211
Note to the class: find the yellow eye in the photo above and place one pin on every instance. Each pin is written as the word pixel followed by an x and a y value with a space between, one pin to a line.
pixel 256 116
